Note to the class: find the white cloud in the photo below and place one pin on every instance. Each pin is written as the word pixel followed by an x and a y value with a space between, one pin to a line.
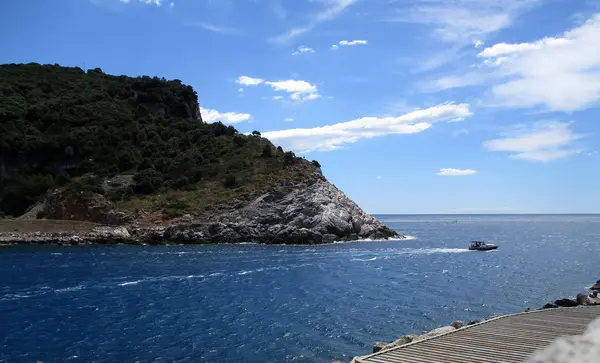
pixel 172 4
pixel 293 86
pixel 210 116
pixel 332 9
pixel 348 43
pixel 455 172
pixel 240 90
pixel 543 142
pixel 288 119
pixel 302 49
pixel 478 43
pixel 299 90
pixel 332 137
pixel 277 98
pixel 463 20
pixel 215 28
pixel 560 74
pixel 249 81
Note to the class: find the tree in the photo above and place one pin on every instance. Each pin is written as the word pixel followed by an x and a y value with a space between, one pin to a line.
pixel 288 157
pixel 316 163
pixel 255 133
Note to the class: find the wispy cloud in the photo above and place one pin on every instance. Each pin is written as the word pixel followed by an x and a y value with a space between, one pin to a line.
pixel 483 210
pixel 149 2
pixel 335 136
pixel 210 116
pixel 543 142
pixel 331 10
pixel 216 28
pixel 462 21
pixel 278 9
pixel 348 43
pixel 303 49
pixel 459 132
pixel 299 90
pixel 455 172
pixel 559 74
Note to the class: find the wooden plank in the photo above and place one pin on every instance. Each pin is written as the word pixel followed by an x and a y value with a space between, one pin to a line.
pixel 509 338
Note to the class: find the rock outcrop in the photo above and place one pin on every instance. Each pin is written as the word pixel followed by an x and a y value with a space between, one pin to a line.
pixel 310 213
pixel 307 213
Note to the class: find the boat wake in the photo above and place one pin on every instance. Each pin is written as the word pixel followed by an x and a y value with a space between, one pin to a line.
pixel 390 254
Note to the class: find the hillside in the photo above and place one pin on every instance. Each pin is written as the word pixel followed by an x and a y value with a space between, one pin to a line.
pixel 118 150
pixel 58 124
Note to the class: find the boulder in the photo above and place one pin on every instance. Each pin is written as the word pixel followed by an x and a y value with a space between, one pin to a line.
pixel 473 322
pixel 457 324
pixel 404 340
pixel 566 303
pixel 583 299
pixel 596 286
pixel 379 346
pixel 434 333
pixel 549 306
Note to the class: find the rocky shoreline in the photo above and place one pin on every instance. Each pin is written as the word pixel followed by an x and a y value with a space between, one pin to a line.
pixel 312 213
pixel 582 299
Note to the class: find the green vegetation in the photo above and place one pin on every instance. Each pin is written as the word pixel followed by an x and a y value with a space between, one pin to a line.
pixel 66 127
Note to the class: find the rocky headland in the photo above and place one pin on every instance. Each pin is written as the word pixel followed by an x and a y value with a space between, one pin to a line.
pixel 134 159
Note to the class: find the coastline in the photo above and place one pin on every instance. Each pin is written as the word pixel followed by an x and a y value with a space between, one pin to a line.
pixel 581 299
pixel 184 235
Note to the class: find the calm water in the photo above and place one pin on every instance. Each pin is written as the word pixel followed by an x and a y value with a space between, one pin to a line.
pixel 251 303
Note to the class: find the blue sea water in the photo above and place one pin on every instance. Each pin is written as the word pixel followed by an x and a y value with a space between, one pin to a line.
pixel 254 303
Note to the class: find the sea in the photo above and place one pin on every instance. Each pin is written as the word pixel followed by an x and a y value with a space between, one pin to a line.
pixel 275 303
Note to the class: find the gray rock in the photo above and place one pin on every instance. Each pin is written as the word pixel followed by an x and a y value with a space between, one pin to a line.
pixel 308 213
pixel 435 332
pixel 458 324
pixel 404 340
pixel 379 346
pixel 583 299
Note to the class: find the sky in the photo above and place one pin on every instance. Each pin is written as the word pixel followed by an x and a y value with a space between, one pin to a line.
pixel 410 106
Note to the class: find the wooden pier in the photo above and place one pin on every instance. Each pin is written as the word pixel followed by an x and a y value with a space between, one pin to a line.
pixel 506 339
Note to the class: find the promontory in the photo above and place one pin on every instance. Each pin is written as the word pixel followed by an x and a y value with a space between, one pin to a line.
pixel 94 158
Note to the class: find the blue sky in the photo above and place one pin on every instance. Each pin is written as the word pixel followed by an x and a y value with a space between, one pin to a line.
pixel 411 106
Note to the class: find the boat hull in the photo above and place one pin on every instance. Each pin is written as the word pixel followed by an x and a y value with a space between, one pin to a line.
pixel 483 248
